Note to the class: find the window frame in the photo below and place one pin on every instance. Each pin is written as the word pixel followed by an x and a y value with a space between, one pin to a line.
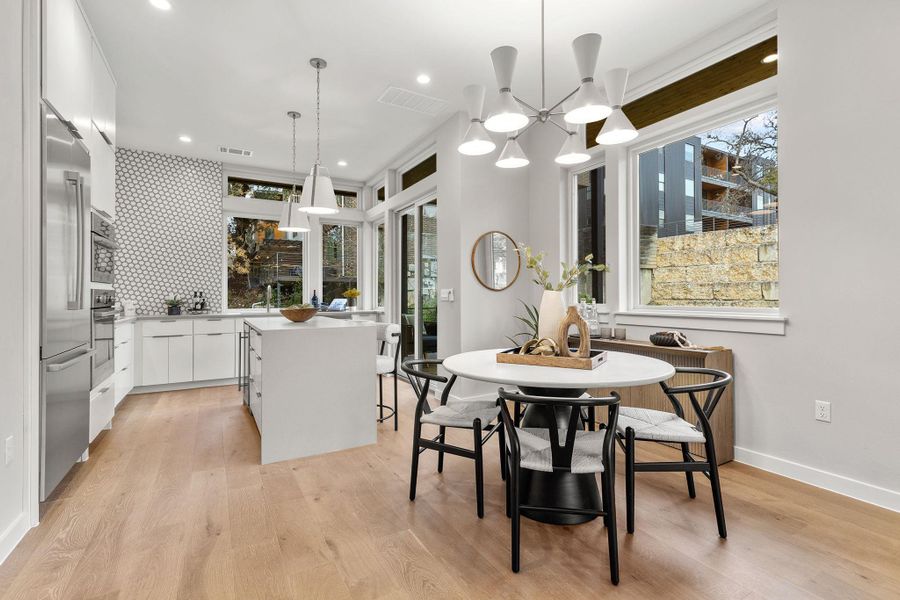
pixel 755 99
pixel 359 256
pixel 382 222
pixel 597 160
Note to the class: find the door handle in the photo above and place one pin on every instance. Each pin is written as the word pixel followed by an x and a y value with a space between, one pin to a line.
pixel 65 365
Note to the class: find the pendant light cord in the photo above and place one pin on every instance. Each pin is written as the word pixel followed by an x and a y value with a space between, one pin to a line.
pixel 318 118
pixel 294 159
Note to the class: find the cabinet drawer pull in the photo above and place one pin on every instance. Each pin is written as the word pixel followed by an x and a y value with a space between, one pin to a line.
pixel 258 358
pixel 215 334
pixel 104 390
pixel 217 319
pixel 168 320
pixel 123 369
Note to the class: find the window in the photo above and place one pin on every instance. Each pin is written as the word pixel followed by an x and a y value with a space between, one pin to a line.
pixel 713 240
pixel 269 190
pixel 339 260
pixel 379 265
pixel 379 195
pixel 419 172
pixel 590 230
pixel 258 256
pixel 345 199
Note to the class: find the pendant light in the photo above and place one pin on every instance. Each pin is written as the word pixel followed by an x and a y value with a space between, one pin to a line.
pixel 507 115
pixel 512 156
pixel 477 140
pixel 292 220
pixel 589 103
pixel 573 151
pixel 318 191
pixel 617 129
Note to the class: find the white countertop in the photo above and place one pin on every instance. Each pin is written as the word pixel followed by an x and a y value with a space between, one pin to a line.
pixel 264 324
pixel 252 313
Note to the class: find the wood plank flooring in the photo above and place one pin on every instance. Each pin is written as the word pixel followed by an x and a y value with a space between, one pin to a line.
pixel 173 504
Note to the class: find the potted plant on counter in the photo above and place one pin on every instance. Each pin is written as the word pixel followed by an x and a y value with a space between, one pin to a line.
pixel 173 305
pixel 351 295
pixel 553 309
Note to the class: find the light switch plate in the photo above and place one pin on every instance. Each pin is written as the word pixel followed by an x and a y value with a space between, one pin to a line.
pixel 447 295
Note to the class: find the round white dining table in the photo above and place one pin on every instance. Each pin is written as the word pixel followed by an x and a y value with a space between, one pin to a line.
pixel 558 489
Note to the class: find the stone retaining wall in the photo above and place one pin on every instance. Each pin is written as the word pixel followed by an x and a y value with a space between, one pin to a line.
pixel 735 267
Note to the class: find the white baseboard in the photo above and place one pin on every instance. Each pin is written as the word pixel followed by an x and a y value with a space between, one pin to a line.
pixel 859 490
pixel 187 385
pixel 10 538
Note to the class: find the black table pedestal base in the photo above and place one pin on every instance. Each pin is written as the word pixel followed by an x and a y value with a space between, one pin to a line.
pixel 561 489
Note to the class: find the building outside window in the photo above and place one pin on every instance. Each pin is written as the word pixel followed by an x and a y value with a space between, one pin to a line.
pixel 590 231
pixel 711 241
pixel 269 190
pixel 258 256
pixel 340 259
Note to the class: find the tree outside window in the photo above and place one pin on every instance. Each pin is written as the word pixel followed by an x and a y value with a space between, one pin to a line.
pixel 339 260
pixel 258 256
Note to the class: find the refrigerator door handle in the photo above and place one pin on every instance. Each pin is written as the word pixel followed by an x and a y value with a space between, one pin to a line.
pixel 72 361
pixel 81 242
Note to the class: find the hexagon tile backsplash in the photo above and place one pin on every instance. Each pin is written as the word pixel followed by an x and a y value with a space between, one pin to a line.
pixel 169 229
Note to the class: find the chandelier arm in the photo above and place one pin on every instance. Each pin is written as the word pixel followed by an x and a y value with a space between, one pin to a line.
pixel 527 127
pixel 543 54
pixel 560 126
pixel 558 104
pixel 526 105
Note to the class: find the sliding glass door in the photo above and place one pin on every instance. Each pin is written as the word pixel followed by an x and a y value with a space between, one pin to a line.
pixel 418 268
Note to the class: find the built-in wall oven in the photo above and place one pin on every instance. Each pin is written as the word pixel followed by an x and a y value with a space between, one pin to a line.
pixel 103 247
pixel 103 319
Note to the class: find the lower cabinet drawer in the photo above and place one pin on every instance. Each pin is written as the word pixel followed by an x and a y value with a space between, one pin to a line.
pixel 124 382
pixel 256 404
pixel 102 408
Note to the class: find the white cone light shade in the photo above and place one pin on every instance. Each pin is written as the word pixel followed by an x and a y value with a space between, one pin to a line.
pixel 292 220
pixel 477 140
pixel 512 156
pixel 616 80
pixel 589 103
pixel 617 129
pixel 318 193
pixel 573 151
pixel 507 115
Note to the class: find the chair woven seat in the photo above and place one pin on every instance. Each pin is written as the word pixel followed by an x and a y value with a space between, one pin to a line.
pixel 587 455
pixel 462 413
pixel 657 425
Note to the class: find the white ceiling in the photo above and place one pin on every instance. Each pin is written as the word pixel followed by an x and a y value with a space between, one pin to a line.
pixel 225 71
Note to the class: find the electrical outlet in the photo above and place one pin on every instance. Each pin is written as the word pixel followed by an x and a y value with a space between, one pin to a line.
pixel 8 451
pixel 823 411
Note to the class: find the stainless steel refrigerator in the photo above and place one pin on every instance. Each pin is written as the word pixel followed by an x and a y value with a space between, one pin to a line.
pixel 65 314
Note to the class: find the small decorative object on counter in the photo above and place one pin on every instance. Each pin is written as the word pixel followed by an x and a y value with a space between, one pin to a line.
pixel 173 305
pixel 553 310
pixel 543 347
pixel 671 338
pixel 299 313
pixel 605 333
pixel 619 333
pixel 351 295
pixel 584 334
pixel 314 301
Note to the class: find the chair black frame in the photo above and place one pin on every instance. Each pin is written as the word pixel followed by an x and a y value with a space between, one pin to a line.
pixel 416 378
pixel 562 461
pixel 381 405
pixel 689 464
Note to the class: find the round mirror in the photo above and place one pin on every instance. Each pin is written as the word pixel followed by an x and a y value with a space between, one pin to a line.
pixel 495 262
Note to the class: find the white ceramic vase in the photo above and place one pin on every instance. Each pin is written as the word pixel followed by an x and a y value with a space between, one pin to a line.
pixel 550 314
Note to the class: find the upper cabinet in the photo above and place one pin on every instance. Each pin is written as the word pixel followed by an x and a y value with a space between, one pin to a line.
pixel 103 103
pixel 78 84
pixel 66 78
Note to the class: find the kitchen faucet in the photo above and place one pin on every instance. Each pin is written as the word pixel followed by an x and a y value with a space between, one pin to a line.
pixel 269 298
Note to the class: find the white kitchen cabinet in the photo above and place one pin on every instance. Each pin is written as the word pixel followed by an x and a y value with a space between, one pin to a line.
pixel 124 360
pixel 102 407
pixel 155 360
pixel 66 78
pixel 181 358
pixel 214 356
pixel 103 97
pixel 103 174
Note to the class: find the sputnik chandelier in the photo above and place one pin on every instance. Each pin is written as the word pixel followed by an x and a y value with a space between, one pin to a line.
pixel 588 103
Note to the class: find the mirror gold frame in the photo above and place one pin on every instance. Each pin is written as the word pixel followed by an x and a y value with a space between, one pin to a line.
pixel 518 261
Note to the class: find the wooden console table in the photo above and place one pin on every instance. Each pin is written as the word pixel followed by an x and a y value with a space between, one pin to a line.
pixel 652 396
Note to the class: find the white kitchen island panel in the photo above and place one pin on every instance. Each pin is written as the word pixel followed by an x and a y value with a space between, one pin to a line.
pixel 314 386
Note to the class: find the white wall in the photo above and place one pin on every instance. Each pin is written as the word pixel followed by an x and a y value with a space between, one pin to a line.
pixel 13 481
pixel 839 90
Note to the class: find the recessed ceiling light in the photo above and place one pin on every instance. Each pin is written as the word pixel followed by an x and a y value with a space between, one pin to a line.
pixel 185 138
pixel 770 58
pixel 342 163
pixel 161 4
pixel 423 79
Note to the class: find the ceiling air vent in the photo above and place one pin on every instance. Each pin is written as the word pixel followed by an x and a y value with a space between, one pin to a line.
pixel 235 151
pixel 413 101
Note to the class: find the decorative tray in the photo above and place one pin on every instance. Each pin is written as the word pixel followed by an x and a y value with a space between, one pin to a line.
pixel 512 357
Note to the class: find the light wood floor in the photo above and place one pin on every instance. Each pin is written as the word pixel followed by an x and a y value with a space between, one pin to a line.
pixel 173 504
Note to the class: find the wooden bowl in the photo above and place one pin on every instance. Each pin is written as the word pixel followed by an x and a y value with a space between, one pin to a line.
pixel 299 315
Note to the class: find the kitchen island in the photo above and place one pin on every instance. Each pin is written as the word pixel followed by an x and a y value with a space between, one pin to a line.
pixel 311 387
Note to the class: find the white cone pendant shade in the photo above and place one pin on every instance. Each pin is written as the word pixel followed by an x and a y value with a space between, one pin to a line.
pixel 573 151
pixel 617 129
pixel 318 193
pixel 506 115
pixel 512 156
pixel 292 220
pixel 477 140
pixel 589 103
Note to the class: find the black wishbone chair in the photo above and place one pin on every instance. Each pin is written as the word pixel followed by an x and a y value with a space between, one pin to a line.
pixel 667 428
pixel 476 415
pixel 581 451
